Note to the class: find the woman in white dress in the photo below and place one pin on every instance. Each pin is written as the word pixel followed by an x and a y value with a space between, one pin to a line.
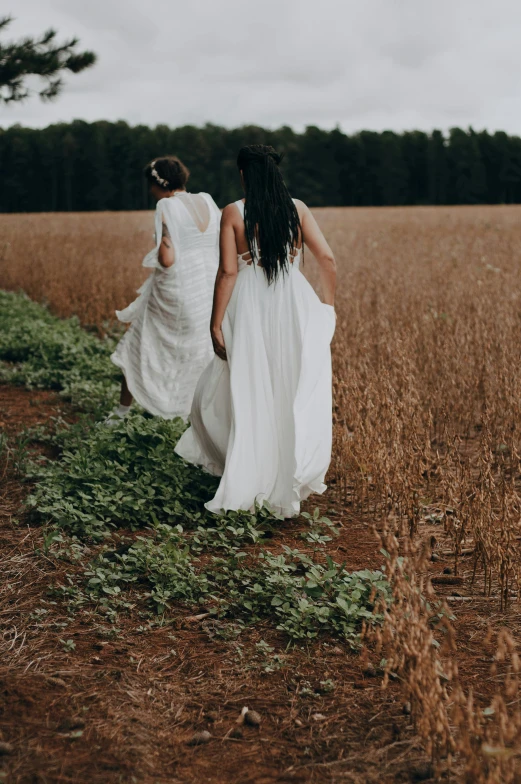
pixel 261 418
pixel 167 346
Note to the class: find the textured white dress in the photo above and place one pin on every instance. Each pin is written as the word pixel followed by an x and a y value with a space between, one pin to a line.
pixel 168 345
pixel 262 421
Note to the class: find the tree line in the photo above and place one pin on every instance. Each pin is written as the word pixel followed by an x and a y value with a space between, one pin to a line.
pixel 81 166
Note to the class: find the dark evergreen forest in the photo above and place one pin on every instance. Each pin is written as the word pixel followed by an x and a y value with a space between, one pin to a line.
pixel 98 166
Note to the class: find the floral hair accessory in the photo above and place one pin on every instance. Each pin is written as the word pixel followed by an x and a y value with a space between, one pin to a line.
pixel 157 178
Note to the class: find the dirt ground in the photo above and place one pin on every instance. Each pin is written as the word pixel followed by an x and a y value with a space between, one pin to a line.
pixel 122 706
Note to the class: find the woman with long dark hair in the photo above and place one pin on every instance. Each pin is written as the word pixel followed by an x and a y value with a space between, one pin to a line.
pixel 261 415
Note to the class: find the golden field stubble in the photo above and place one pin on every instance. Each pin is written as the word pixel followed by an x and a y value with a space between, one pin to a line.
pixel 427 381
pixel 85 264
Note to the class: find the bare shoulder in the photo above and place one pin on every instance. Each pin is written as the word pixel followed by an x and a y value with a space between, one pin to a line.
pixel 230 213
pixel 302 208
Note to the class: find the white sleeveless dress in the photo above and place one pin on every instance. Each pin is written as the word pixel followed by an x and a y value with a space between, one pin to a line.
pixel 168 345
pixel 262 421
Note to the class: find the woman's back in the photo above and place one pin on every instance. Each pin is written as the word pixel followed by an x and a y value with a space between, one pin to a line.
pixel 197 206
pixel 192 221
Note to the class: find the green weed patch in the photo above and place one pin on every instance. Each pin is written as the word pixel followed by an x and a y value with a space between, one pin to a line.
pixel 125 476
pixel 109 483
pixel 42 351
pixel 302 597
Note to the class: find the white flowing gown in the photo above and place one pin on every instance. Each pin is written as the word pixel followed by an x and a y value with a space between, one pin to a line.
pixel 262 421
pixel 168 345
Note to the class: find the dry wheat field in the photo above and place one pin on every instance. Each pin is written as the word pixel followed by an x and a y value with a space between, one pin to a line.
pixel 427 440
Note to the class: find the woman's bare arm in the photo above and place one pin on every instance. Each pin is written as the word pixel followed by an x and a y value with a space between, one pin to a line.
pixel 226 277
pixel 165 254
pixel 318 246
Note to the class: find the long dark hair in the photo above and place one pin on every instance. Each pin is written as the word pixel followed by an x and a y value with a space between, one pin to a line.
pixel 271 219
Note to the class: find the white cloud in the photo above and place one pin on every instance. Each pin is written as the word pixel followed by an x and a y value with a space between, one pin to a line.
pixel 362 64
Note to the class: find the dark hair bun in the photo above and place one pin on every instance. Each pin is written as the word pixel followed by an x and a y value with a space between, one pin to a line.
pixel 168 172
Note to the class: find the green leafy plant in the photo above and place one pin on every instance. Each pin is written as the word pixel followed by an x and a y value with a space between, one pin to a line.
pixel 122 476
pixel 304 598
pixel 42 351
pixel 68 645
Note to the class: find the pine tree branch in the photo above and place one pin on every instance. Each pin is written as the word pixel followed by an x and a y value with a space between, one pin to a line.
pixel 41 57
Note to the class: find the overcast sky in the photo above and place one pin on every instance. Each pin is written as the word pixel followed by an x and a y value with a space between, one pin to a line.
pixel 375 64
